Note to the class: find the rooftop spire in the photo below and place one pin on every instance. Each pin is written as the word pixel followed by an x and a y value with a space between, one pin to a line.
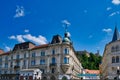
pixel 115 35
pixel 66 23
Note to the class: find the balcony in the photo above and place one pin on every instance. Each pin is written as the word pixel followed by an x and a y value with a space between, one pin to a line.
pixel 53 64
pixel 16 67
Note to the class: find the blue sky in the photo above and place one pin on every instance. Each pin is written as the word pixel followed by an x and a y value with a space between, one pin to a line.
pixel 92 22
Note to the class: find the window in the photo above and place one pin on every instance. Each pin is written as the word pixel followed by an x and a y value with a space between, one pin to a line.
pixel 117 59
pixel 42 61
pixel 33 54
pixel 66 60
pixel 117 48
pixel 0 59
pixel 24 55
pixel 6 65
pixel 53 70
pixel 10 71
pixel 42 53
pixel 53 60
pixel 66 51
pixel 11 64
pixel 5 72
pixel 18 63
pixel 0 65
pixel 53 51
pixel 112 49
pixel 11 56
pixel 43 71
pixel 24 62
pixel 17 56
pixel 33 62
pixel 113 59
pixel 6 58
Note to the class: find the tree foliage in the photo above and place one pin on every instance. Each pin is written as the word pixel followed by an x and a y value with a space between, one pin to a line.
pixel 89 62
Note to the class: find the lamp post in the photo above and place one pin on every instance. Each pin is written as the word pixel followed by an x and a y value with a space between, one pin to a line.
pixel 118 72
pixel 35 76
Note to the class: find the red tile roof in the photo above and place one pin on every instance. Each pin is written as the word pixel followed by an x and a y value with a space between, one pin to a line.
pixel 5 53
pixel 92 71
pixel 1 51
pixel 40 46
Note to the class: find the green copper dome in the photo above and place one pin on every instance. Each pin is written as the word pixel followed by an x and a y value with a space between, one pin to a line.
pixel 66 39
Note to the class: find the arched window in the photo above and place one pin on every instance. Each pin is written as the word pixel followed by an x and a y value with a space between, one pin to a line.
pixel 52 78
pixel 66 51
pixel 53 60
pixel 112 49
pixel 53 51
pixel 66 60
pixel 117 59
pixel 117 48
pixel 113 59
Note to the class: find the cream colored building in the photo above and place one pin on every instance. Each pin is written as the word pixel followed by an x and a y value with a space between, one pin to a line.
pixel 57 60
pixel 111 58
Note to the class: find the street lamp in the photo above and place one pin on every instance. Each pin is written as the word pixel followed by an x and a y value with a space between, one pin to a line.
pixel 118 72
pixel 35 76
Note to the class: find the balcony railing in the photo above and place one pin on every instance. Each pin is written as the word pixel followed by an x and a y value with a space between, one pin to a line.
pixel 16 67
pixel 53 64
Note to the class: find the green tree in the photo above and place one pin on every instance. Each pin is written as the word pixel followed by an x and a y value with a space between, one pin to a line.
pixel 89 62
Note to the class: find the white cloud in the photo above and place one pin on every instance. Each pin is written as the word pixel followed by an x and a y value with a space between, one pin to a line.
pixel 66 22
pixel 26 30
pixel 114 13
pixel 116 2
pixel 7 48
pixel 20 38
pixel 108 30
pixel 108 8
pixel 38 40
pixel 12 37
pixel 19 12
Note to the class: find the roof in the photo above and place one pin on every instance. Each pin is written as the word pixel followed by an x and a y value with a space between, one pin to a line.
pixel 5 53
pixel 24 45
pixel 115 35
pixel 92 71
pixel 1 51
pixel 56 39
pixel 40 46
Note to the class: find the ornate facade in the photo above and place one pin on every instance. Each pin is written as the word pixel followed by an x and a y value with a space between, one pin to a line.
pixel 111 58
pixel 57 60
